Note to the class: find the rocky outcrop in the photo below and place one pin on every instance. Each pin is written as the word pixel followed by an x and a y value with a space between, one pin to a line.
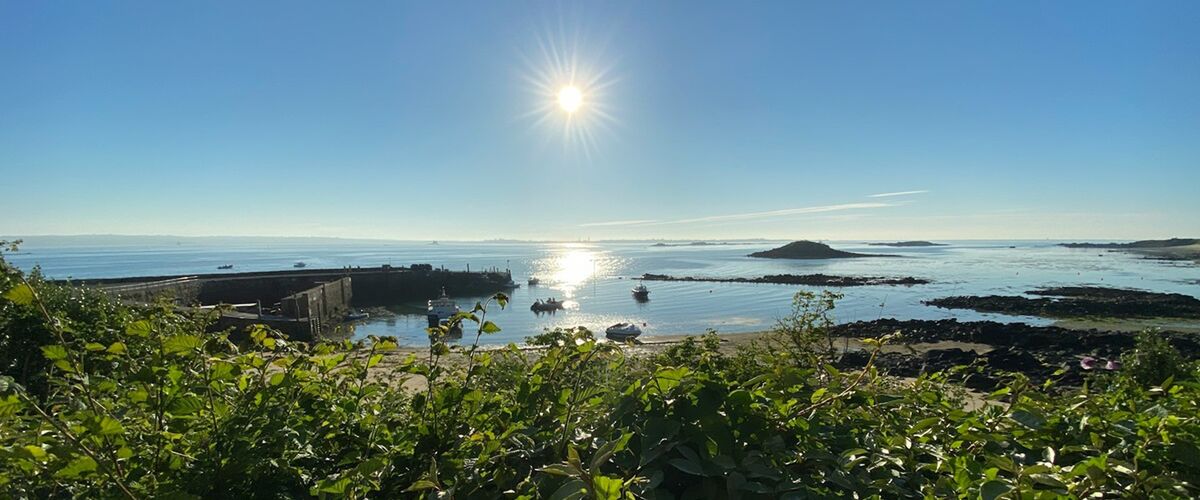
pixel 809 250
pixel 800 279
pixel 1073 302
pixel 1141 244
pixel 1036 351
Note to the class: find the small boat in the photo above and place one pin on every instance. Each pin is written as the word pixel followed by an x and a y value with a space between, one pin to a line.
pixel 623 331
pixel 640 292
pixel 546 305
pixel 439 311
pixel 299 265
pixel 357 316
pixel 533 281
pixel 226 266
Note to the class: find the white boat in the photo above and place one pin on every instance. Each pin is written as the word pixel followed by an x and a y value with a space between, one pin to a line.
pixel 641 292
pixel 357 316
pixel 440 310
pixel 623 331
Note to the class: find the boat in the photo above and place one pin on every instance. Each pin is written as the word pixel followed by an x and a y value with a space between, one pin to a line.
pixel 533 281
pixel 357 316
pixel 546 305
pixel 439 311
pixel 299 264
pixel 226 266
pixel 623 331
pixel 640 292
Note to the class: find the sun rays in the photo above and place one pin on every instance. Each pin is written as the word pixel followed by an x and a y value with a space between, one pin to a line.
pixel 569 90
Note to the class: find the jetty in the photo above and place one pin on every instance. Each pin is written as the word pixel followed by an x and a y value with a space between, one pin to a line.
pixel 302 303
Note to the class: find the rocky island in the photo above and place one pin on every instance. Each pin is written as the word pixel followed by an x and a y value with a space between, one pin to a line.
pixel 908 244
pixel 1080 301
pixel 809 250
pixel 1141 244
pixel 799 279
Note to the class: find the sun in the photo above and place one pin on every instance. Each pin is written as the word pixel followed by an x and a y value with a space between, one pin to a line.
pixel 570 99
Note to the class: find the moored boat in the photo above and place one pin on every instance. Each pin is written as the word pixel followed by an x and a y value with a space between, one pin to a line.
pixel 533 281
pixel 439 311
pixel 546 305
pixel 640 292
pixel 226 266
pixel 299 265
pixel 623 331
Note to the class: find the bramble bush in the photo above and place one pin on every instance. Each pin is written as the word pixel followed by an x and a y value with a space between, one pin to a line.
pixel 142 402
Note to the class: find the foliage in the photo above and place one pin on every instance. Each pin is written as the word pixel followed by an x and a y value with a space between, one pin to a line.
pixel 1153 360
pixel 144 403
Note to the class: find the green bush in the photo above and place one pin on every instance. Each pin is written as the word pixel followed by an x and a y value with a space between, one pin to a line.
pixel 143 403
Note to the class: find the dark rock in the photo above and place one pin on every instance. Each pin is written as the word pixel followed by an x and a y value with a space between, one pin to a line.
pixel 1068 302
pixel 809 250
pixel 799 279
pixel 1172 242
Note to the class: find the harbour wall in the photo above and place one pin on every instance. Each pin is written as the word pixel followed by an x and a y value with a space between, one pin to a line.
pixel 305 302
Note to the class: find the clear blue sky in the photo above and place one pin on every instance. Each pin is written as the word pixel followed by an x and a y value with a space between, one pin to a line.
pixel 420 120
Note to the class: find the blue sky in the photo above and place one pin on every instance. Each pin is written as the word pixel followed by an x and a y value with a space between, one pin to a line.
pixel 1071 119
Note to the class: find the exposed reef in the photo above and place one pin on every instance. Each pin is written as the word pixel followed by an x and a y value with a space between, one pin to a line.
pixel 799 279
pixel 1036 351
pixel 1077 301
pixel 1141 244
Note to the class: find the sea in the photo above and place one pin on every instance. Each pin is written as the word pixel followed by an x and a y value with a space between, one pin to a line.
pixel 595 278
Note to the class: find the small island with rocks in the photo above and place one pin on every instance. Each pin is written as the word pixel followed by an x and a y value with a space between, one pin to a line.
pixel 908 244
pixel 809 250
pixel 1080 301
pixel 799 279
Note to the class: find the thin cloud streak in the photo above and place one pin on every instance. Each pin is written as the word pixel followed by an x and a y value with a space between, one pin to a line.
pixel 619 223
pixel 745 216
pixel 897 193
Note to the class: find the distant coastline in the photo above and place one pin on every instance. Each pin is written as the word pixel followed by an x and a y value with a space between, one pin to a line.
pixel 908 244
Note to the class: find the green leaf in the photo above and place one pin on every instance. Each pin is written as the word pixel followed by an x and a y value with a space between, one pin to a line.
pixel 816 395
pixel 336 487
pixel 117 348
pixel 374 360
pixel 35 452
pixel 605 452
pixel 54 352
pixel 607 488
pixel 559 470
pixel 422 484
pixel 1028 419
pixel 687 466
pixel 992 490
pixel 187 405
pixel 140 328
pixel 182 343
pixel 489 327
pixel 109 426
pixel 76 468
pixel 20 294
pixel 9 406
pixel 94 346
pixel 570 490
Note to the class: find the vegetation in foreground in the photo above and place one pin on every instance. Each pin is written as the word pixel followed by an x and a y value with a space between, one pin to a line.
pixel 98 400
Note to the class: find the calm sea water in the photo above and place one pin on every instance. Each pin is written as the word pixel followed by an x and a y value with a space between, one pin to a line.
pixel 595 277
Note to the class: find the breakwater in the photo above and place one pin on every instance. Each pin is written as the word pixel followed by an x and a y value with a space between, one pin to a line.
pixel 304 302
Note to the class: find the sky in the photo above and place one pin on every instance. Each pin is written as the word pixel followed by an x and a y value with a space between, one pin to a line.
pixel 699 120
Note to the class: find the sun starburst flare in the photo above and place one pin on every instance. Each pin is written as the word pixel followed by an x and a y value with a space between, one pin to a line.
pixel 569 95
